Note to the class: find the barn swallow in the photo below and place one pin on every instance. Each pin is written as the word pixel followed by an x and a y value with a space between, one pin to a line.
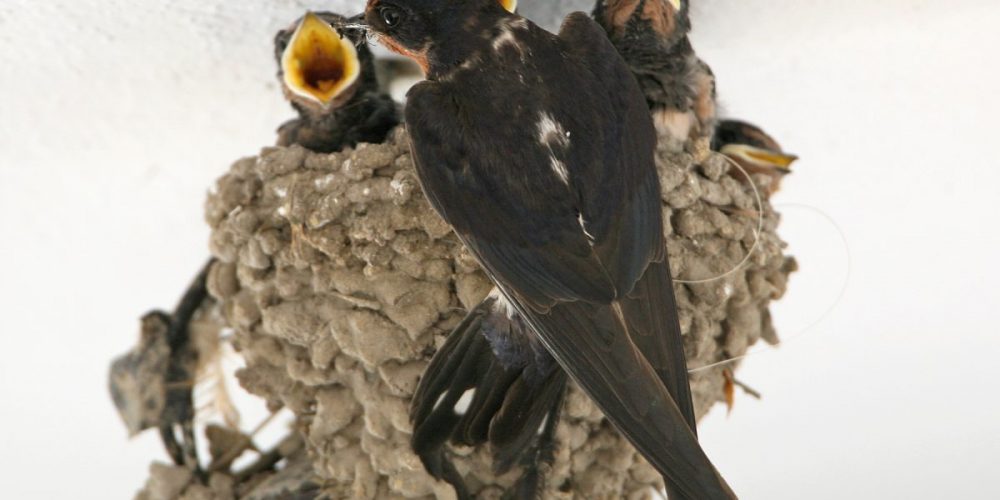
pixel 538 150
pixel 652 38
pixel 178 416
pixel 753 149
pixel 151 385
pixel 328 76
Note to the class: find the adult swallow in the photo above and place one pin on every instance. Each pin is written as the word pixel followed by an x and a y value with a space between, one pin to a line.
pixel 652 38
pixel 328 76
pixel 753 149
pixel 505 402
pixel 538 150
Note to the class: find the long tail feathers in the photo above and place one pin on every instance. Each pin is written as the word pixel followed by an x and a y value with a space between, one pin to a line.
pixel 628 357
pixel 594 343
pixel 512 411
pixel 653 327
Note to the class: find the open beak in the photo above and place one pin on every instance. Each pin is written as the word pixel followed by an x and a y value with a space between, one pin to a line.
pixel 510 5
pixel 318 64
pixel 760 157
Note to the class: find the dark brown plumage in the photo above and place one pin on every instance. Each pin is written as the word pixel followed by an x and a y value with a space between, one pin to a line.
pixel 754 150
pixel 538 150
pixel 652 38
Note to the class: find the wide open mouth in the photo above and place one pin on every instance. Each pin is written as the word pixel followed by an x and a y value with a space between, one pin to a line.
pixel 318 64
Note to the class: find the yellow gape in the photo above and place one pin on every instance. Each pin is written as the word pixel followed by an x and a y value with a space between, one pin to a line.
pixel 317 63
pixel 676 4
pixel 759 156
pixel 510 5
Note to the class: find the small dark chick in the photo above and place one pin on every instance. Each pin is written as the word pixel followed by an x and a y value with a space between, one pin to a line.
pixel 328 76
pixel 754 150
pixel 652 38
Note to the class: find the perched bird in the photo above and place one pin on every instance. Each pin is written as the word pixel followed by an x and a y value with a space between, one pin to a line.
pixel 652 38
pixel 513 404
pixel 328 76
pixel 178 416
pixel 152 385
pixel 754 150
pixel 680 91
pixel 538 150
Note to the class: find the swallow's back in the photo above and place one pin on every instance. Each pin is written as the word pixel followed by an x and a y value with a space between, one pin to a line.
pixel 552 142
pixel 539 152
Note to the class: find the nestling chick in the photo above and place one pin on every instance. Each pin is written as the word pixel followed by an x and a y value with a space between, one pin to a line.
pixel 328 76
pixel 652 38
pixel 754 150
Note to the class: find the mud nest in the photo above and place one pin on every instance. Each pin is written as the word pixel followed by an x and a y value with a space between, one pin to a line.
pixel 340 282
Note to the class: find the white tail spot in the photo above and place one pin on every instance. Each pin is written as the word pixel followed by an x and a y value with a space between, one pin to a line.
pixel 541 426
pixel 439 400
pixel 463 402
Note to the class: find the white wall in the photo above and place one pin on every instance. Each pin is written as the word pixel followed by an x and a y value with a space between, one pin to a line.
pixel 115 117
pixel 891 105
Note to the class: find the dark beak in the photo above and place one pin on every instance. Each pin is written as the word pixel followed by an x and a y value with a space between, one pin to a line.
pixel 357 21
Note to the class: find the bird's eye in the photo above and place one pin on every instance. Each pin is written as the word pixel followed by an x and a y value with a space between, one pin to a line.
pixel 391 16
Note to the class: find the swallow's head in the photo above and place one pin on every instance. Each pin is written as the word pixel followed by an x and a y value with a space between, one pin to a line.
pixel 429 31
pixel 321 61
pixel 667 20
pixel 751 146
